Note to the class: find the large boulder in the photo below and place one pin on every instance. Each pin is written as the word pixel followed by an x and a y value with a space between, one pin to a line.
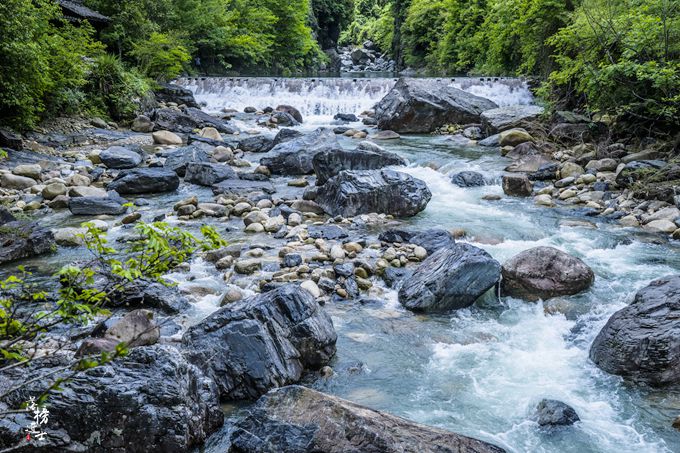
pixel 451 278
pixel 207 174
pixel 367 156
pixel 357 192
pixel 256 144
pixel 120 158
pixel 265 341
pixel 150 400
pixel 145 180
pixel 504 118
pixel 555 413
pixel 294 157
pixel 177 160
pixel 111 204
pixel 468 179
pixel 19 239
pixel 545 272
pixel 423 105
pixel 292 111
pixel 185 121
pixel 169 92
pixel 297 419
pixel 642 340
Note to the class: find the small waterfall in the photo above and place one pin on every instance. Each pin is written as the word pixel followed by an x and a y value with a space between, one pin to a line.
pixel 324 97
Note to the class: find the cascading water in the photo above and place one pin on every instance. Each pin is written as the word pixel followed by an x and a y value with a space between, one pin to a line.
pixel 321 98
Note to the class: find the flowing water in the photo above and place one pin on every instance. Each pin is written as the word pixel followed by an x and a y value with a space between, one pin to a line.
pixel 482 370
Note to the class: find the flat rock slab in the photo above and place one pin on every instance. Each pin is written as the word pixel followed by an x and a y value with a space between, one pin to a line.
pixel 297 419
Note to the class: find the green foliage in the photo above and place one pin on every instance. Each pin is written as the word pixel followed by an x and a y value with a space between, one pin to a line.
pixel 331 17
pixel 623 57
pixel 373 20
pixel 160 57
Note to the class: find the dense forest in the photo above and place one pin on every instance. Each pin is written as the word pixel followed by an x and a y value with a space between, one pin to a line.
pixel 614 56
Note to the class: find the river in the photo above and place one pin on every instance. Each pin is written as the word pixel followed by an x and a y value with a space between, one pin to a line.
pixel 482 370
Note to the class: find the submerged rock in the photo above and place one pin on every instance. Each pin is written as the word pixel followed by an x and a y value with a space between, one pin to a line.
pixel 265 341
pixel 642 340
pixel 451 278
pixel 423 105
pixel 468 179
pixel 145 180
pixel 545 272
pixel 366 156
pixel 555 413
pixel 150 400
pixel 351 193
pixel 297 419
pixel 294 157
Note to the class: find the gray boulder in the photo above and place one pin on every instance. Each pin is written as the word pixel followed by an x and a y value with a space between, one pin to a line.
pixel 451 278
pixel 243 187
pixel 642 340
pixel 177 160
pixel 112 204
pixel 207 174
pixel 504 118
pixel 262 342
pixel 423 105
pixel 292 111
pixel 150 400
pixel 256 144
pixel 468 179
pixel 294 157
pixel 357 192
pixel 365 157
pixel 120 158
pixel 169 92
pixel 19 239
pixel 555 413
pixel 297 419
pixel 545 272
pixel 145 180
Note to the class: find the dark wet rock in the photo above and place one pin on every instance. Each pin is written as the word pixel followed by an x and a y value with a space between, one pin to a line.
pixel 365 157
pixel 344 269
pixel 294 157
pixel 468 179
pixel 206 120
pixel 351 193
pixel 185 121
pixel 642 340
pixel 517 185
pixel 256 144
pixel 262 342
pixel 545 172
pixel 119 157
pixel 328 232
pixel 243 187
pixel 145 180
pixel 396 235
pixel 347 117
pixel 168 92
pixel 633 171
pixel 292 260
pixel 545 272
pixel 451 278
pixel 10 139
pixel 284 119
pixel 150 400
pixel 227 140
pixel 177 160
pixel 394 276
pixel 351 287
pixel 504 118
pixel 109 205
pixel 423 105
pixel 19 239
pixel 153 295
pixel 297 419
pixel 292 111
pixel 207 174
pixel 285 135
pixel 433 240
pixel 555 413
